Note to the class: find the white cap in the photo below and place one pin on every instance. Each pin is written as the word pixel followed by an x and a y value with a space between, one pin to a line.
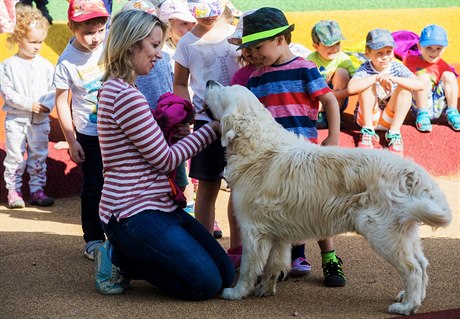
pixel 236 37
pixel 175 9
pixel 141 5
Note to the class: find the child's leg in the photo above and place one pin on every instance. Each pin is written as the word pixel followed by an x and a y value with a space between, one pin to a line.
pixel 367 117
pixel 205 203
pixel 332 265
pixel 367 104
pixel 235 251
pixel 14 161
pixel 300 265
pixel 207 167
pixel 91 193
pixel 399 105
pixel 37 152
pixel 450 89
pixel 339 82
pixel 451 92
pixel 422 107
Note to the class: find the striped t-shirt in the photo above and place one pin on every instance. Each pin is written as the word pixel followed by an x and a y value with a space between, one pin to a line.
pixel 135 154
pixel 289 91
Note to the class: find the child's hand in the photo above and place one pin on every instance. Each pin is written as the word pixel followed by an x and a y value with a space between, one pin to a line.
pixel 76 152
pixel 386 81
pixel 39 108
pixel 215 126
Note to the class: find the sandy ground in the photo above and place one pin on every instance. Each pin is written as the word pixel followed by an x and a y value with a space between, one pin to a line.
pixel 44 275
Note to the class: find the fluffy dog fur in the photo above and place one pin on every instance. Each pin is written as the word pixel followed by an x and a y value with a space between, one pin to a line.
pixel 286 189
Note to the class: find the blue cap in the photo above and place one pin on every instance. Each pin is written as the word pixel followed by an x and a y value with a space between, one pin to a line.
pixel 433 35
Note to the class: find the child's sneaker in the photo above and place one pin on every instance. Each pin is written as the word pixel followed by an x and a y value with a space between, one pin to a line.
pixel 109 280
pixel 333 273
pixel 39 198
pixel 235 256
pixel 395 143
pixel 300 267
pixel 321 123
pixel 15 199
pixel 453 118
pixel 368 138
pixel 217 231
pixel 423 122
pixel 190 209
pixel 90 248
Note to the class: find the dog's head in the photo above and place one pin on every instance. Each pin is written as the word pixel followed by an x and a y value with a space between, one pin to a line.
pixel 230 104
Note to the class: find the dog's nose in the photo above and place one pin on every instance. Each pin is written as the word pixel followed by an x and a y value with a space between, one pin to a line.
pixel 210 83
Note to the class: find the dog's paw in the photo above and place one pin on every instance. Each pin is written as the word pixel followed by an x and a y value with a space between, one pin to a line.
pixel 401 309
pixel 232 294
pixel 400 296
pixel 264 291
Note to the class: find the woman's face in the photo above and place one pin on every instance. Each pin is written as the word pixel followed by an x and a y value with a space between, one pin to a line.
pixel 147 52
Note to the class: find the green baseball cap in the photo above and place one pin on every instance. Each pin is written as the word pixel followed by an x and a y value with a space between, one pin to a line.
pixel 326 32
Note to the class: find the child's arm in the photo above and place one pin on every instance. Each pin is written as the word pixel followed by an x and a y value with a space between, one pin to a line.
pixel 412 83
pixel 180 84
pixel 331 107
pixel 65 120
pixel 357 85
pixel 9 93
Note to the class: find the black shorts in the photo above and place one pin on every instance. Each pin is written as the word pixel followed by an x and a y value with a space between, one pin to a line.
pixel 208 165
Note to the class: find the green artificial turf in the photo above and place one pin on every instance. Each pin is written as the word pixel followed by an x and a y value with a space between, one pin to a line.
pixel 58 8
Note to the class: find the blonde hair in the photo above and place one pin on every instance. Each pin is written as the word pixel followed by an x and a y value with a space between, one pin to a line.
pixel 27 17
pixel 127 29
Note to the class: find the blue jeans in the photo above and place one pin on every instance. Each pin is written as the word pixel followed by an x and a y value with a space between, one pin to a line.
pixel 91 188
pixel 173 252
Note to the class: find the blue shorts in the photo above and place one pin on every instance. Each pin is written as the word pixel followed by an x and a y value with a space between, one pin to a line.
pixel 208 165
pixel 437 103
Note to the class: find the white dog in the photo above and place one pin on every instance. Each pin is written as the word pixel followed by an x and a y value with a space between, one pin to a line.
pixel 286 189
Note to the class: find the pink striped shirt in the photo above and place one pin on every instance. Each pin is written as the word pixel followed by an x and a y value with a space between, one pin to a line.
pixel 135 154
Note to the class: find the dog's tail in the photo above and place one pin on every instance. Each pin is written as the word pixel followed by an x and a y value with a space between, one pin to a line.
pixel 430 212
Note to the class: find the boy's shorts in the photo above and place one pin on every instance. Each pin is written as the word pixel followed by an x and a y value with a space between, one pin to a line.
pixel 181 176
pixel 437 103
pixel 382 116
pixel 208 165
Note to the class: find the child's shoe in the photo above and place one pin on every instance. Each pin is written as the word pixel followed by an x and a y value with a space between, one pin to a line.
pixel 368 138
pixel 322 121
pixel 109 280
pixel 423 122
pixel 15 199
pixel 190 209
pixel 300 267
pixel 39 198
pixel 90 248
pixel 395 143
pixel 453 118
pixel 217 231
pixel 333 273
pixel 235 256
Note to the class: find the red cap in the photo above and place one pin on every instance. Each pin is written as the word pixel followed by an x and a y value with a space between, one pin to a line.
pixel 83 10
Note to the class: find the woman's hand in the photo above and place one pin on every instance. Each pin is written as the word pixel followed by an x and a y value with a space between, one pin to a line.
pixel 215 126
pixel 182 130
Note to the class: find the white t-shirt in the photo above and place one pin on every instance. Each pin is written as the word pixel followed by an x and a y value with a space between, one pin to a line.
pixel 206 61
pixel 81 72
